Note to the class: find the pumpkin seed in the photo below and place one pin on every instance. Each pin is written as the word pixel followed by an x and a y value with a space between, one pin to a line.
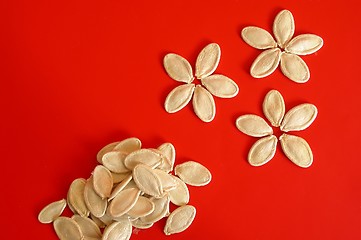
pixel 262 151
pixel 297 150
pixel 283 27
pixel 142 208
pixel 114 161
pixel 87 226
pixel 253 125
pixel 193 173
pixel 208 60
pixel 123 202
pixel 258 38
pixel 106 219
pixel 220 86
pixel 168 151
pixel 304 44
pixel 266 63
pixel 128 145
pixel 147 180
pixel 180 195
pixel 104 150
pixel 120 187
pixel 179 97
pixel 167 181
pixel 97 221
pixel 299 117
pixel 274 107
pixel 143 156
pixel 178 68
pixel 67 229
pixel 180 219
pixel 102 181
pixel 140 225
pixel 203 104
pixel 118 177
pixel 121 230
pixel 52 211
pixel 293 67
pixel 75 197
pixel 161 209
pixel 93 201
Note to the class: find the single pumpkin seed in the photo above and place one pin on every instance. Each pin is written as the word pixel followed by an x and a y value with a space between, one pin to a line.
pixel 167 181
pixel 96 205
pixel 299 117
pixel 147 180
pixel 120 187
pixel 179 97
pixel 193 173
pixel 220 86
pixel 262 151
pixel 283 27
pixel 140 225
pixel 266 63
pixel 253 125
pixel 102 181
pixel 304 44
pixel 67 229
pixel 104 150
pixel 274 107
pixel 143 156
pixel 121 230
pixel 75 197
pixel 128 145
pixel 297 150
pixel 208 60
pixel 123 202
pixel 180 195
pixel 168 151
pixel 161 209
pixel 180 219
pixel 87 226
pixel 203 104
pixel 293 67
pixel 178 68
pixel 52 211
pixel 142 208
pixel 114 161
pixel 258 38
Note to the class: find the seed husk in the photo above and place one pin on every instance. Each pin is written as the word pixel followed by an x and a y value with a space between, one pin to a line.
pixel 299 117
pixel 180 195
pixel 143 156
pixel 179 97
pixel 142 208
pixel 52 211
pixel 102 181
pixel 274 107
pixel 283 27
pixel 167 181
pixel 120 187
pixel 114 161
pixel 193 173
pixel 168 151
pixel 203 104
pixel 258 38
pixel 121 230
pixel 178 68
pixel 128 145
pixel 67 229
pixel 147 180
pixel 75 197
pixel 262 151
pixel 87 226
pixel 104 150
pixel 253 125
pixel 180 219
pixel 304 44
pixel 123 202
pixel 293 67
pixel 207 60
pixel 266 63
pixel 161 209
pixel 220 86
pixel 96 205
pixel 297 150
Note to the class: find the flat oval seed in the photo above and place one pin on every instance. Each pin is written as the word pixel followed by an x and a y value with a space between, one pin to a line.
pixel 147 180
pixel 67 229
pixel 128 145
pixel 87 226
pixel 123 202
pixel 258 38
pixel 203 104
pixel 106 219
pixel 304 44
pixel 102 181
pixel 93 201
pixel 180 219
pixel 220 86
pixel 274 107
pixel 293 67
pixel 120 187
pixel 121 230
pixel 180 195
pixel 193 173
pixel 297 150
pixel 299 117
pixel 114 161
pixel 262 151
pixel 253 125
pixel 118 177
pixel 283 27
pixel 161 209
pixel 178 68
pixel 142 207
pixel 104 150
pixel 179 97
pixel 266 63
pixel 52 211
pixel 140 225
pixel 76 197
pixel 143 156
pixel 167 181
pixel 208 60
pixel 168 151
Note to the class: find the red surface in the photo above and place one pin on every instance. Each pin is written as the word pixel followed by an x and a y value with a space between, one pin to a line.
pixel 76 75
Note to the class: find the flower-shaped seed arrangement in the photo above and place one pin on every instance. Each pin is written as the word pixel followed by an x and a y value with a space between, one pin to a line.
pixel 179 69
pixel 296 119
pixel 284 50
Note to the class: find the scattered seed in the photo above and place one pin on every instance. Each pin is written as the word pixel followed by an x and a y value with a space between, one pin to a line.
pixel 258 38
pixel 121 230
pixel 128 145
pixel 293 67
pixel 299 117
pixel 167 181
pixel 75 197
pixel 180 195
pixel 120 187
pixel 208 60
pixel 67 229
pixel 253 125
pixel 297 150
pixel 114 161
pixel 178 68
pixel 87 226
pixel 161 209
pixel 179 97
pixel 123 202
pixel 203 104
pixel 118 177
pixel 142 207
pixel 143 156
pixel 180 219
pixel 102 181
pixel 266 63
pixel 104 150
pixel 220 86
pixel 193 173
pixel 147 180
pixel 168 151
pixel 262 151
pixel 274 107
pixel 96 205
pixel 283 27
pixel 97 221
pixel 304 44
pixel 52 211
pixel 141 225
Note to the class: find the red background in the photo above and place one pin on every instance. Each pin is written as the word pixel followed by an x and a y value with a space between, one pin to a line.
pixel 76 75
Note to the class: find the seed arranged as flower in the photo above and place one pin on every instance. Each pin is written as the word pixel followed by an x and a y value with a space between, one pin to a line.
pixel 132 187
pixel 179 69
pixel 296 119
pixel 284 49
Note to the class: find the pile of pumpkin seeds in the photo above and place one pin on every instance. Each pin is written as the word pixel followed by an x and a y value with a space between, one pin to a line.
pixel 131 187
